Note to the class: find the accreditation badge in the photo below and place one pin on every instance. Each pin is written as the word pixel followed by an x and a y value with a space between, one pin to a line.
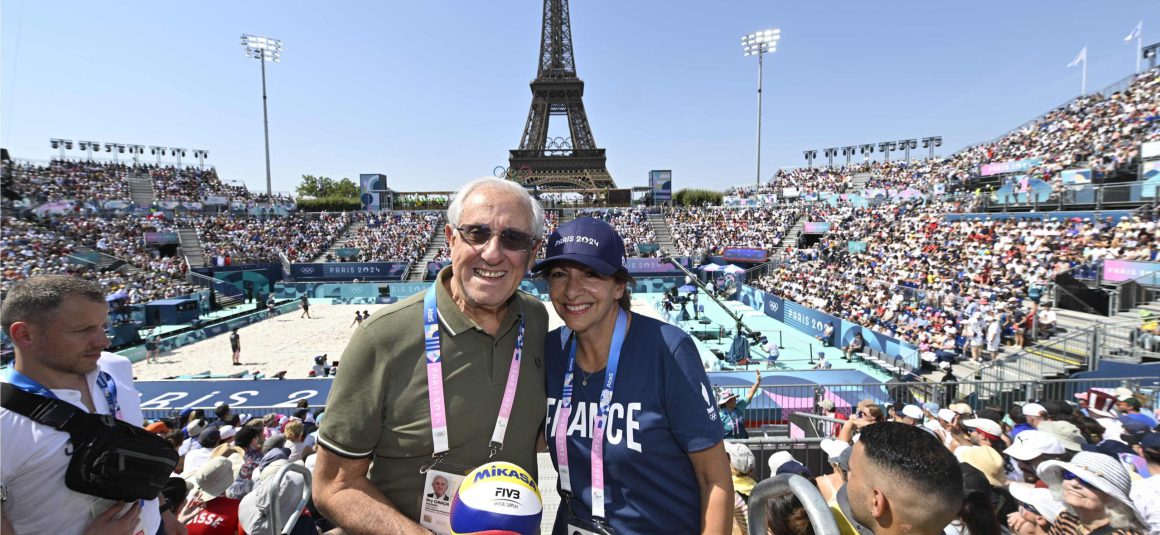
pixel 438 491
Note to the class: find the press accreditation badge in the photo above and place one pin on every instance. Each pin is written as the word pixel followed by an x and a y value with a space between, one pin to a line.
pixel 438 491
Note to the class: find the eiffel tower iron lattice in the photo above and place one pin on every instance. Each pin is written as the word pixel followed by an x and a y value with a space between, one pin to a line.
pixel 558 163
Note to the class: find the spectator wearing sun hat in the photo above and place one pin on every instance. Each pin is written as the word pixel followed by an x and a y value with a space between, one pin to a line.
pixel 1038 509
pixel 1067 433
pixel 208 511
pixel 741 463
pixel 732 409
pixel 1095 490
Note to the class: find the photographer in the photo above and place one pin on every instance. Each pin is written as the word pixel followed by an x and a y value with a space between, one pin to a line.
pixel 57 325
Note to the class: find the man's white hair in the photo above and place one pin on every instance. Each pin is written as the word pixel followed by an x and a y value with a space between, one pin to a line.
pixel 456 207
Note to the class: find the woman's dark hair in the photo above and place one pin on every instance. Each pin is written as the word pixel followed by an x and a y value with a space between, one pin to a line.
pixel 978 511
pixel 625 300
pixel 785 515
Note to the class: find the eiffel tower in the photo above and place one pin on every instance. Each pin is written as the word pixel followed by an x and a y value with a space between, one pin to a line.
pixel 559 163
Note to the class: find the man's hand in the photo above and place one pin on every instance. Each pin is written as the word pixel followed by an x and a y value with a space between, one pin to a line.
pixel 107 524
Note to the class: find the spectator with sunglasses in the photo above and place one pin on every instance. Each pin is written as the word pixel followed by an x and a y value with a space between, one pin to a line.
pixel 865 413
pixel 479 341
pixel 1094 490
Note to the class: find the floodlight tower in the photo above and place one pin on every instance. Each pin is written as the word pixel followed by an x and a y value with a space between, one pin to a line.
pixel 264 49
pixel 906 145
pixel 830 153
pixel 866 149
pixel 201 155
pixel 758 44
pixel 931 142
pixel 848 151
pixel 115 149
pixel 62 144
pixel 810 155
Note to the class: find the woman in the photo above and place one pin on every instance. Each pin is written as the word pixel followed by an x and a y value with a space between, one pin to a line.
pixel 661 447
pixel 865 413
pixel 733 411
pixel 1094 490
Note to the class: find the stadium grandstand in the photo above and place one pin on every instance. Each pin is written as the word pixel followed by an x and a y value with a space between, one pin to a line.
pixel 1009 289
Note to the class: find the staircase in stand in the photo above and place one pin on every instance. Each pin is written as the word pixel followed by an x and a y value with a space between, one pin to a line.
pixel 419 267
pixel 858 183
pixel 106 262
pixel 791 236
pixel 350 233
pixel 191 248
pixel 664 234
pixel 141 190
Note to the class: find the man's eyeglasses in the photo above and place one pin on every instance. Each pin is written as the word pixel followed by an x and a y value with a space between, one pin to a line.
pixel 511 240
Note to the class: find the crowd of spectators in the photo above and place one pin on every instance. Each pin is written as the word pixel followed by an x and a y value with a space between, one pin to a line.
pixel 927 280
pixel 806 180
pixel 301 237
pixel 73 180
pixel 31 248
pixel 1051 466
pixel 395 236
pixel 631 223
pixel 701 231
pixel 189 184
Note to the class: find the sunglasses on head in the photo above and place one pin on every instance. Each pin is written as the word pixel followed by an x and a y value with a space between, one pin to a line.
pixel 511 240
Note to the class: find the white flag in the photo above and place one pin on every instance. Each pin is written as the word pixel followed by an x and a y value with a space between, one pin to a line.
pixel 1135 32
pixel 1082 56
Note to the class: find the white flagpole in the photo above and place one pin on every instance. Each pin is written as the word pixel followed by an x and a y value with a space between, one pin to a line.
pixel 1083 81
pixel 1139 44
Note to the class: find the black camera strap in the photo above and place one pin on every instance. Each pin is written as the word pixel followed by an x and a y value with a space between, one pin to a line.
pixel 57 414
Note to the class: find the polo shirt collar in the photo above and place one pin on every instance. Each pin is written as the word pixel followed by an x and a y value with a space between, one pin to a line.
pixel 455 321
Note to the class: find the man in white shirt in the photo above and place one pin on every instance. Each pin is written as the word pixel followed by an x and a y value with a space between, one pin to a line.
pixel 57 325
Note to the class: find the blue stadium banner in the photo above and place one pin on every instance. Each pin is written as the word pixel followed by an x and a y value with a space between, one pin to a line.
pixel 745 254
pixel 816 227
pixel 806 320
pixel 640 266
pixel 661 184
pixel 344 271
pixel 433 269
pixel 347 252
pixel 856 246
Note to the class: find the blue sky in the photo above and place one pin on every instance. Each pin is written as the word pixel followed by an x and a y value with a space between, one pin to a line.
pixel 433 94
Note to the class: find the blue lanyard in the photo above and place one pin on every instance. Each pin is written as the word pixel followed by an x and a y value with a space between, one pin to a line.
pixel 433 351
pixel 104 382
pixel 564 412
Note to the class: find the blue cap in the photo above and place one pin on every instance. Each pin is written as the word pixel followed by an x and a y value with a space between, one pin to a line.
pixel 588 241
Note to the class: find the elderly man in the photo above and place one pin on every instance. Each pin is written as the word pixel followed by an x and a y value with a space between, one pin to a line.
pixel 443 381
pixel 57 326
pixel 901 481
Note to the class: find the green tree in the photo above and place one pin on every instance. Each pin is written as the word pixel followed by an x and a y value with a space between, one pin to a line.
pixel 345 188
pixel 322 186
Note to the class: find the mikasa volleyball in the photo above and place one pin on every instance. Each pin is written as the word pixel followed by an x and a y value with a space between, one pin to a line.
pixel 497 499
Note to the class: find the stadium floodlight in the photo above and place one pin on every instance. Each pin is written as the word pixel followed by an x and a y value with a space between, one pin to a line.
pixel 177 153
pixel 810 155
pixel 848 151
pixel 62 144
pixel 758 44
pixel 115 149
pixel 866 149
pixel 931 142
pixel 201 155
pixel 830 153
pixel 906 145
pixel 136 151
pixel 264 49
pixel 1149 53
pixel 885 147
pixel 159 151
pixel 88 147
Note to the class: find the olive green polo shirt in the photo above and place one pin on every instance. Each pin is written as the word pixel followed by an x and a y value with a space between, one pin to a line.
pixel 378 404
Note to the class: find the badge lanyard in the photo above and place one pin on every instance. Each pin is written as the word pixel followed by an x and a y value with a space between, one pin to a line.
pixel 433 353
pixel 563 414
pixel 104 382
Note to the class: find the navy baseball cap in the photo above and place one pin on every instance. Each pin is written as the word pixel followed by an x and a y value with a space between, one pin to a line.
pixel 588 241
